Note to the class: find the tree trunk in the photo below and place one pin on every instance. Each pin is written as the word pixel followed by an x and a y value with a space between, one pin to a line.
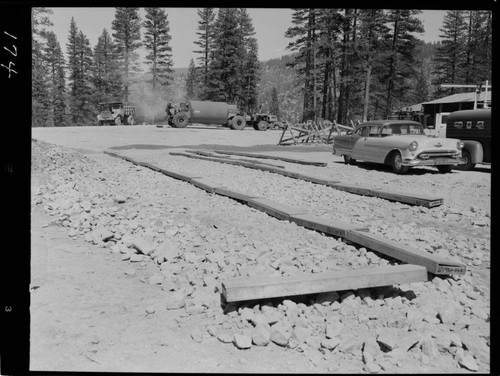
pixel 367 92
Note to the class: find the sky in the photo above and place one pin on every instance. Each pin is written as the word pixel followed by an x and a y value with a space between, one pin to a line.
pixel 270 25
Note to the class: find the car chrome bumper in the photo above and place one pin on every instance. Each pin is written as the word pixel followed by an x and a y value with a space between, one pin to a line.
pixel 433 162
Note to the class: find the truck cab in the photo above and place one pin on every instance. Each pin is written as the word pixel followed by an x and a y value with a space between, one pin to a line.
pixel 473 127
pixel 115 113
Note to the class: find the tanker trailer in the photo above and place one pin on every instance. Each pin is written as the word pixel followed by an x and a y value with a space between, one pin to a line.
pixel 207 113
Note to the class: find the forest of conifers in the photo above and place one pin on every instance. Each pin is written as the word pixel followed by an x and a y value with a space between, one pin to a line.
pixel 343 64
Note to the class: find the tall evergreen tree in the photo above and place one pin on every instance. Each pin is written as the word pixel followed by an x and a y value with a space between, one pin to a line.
pixel 371 51
pixel 225 58
pixel 250 67
pixel 57 81
pixel 478 47
pixel 275 105
pixel 127 34
pixel 402 47
pixel 156 41
pixel 81 109
pixel 105 73
pixel 205 40
pixel 305 34
pixel 451 54
pixel 192 81
pixel 39 72
pixel 73 70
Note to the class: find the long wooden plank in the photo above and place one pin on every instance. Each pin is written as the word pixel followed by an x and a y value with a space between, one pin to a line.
pixel 264 156
pixel 351 188
pixel 207 184
pixel 274 208
pixel 404 253
pixel 240 289
pixel 408 198
pixel 316 179
pixel 236 195
pixel 185 176
pixel 325 225
pixel 208 154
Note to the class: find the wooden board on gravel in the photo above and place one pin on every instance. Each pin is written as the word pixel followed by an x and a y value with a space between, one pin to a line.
pixel 231 193
pixel 207 184
pixel 274 208
pixel 325 225
pixel 408 198
pixel 186 176
pixel 284 159
pixel 240 289
pixel 404 253
pixel 351 188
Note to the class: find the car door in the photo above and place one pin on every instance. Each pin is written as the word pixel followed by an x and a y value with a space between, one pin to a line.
pixel 371 144
pixel 357 142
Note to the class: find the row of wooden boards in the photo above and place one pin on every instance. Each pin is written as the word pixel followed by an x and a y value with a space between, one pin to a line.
pixel 353 233
pixel 407 198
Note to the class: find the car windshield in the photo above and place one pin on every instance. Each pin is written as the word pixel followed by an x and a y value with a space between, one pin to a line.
pixel 402 129
pixel 116 106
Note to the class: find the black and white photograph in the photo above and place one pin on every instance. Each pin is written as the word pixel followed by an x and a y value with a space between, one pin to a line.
pixel 258 190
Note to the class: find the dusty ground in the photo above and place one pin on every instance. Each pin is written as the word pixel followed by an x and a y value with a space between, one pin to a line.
pixel 99 303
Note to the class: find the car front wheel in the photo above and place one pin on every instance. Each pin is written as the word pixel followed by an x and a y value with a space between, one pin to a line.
pixel 396 162
pixel 468 161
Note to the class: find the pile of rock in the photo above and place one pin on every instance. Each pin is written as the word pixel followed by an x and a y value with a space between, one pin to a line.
pixel 196 240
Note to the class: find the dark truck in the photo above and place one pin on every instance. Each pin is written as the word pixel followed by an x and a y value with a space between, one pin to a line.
pixel 473 127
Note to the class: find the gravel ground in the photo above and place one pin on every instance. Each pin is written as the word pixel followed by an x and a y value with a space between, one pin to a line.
pixel 189 240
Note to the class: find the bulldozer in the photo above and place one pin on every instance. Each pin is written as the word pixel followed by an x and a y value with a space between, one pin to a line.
pixel 115 113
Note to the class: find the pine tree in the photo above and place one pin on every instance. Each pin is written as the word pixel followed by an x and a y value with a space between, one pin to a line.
pixel 74 76
pixel 275 106
pixel 105 74
pixel 127 34
pixel 81 111
pixel 39 73
pixel 225 58
pixel 402 47
pixel 450 57
pixel 205 40
pixel 478 48
pixel 371 51
pixel 57 81
pixel 250 67
pixel 305 32
pixel 192 81
pixel 156 42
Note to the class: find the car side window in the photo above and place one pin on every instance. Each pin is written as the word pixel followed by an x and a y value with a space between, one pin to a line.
pixel 361 131
pixel 374 131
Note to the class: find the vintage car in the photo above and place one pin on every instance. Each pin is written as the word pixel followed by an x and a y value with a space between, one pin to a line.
pixel 401 144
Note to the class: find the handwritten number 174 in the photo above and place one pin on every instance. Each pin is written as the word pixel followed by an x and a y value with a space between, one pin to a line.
pixel 13 53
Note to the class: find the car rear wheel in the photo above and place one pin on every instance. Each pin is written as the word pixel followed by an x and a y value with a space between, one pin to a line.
pixel 444 169
pixel 468 161
pixel 396 162
pixel 349 160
